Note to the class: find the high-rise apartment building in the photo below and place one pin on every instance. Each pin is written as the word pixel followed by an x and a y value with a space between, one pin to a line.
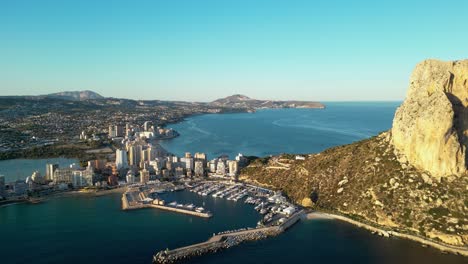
pixel 121 160
pixel 199 168
pixel 144 176
pixel 134 153
pixel 50 169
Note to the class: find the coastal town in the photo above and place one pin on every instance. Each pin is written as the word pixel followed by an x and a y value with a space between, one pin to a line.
pixel 47 125
pixel 137 158
pixel 232 132
pixel 144 172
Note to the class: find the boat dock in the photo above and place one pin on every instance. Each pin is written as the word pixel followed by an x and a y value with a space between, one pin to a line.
pixel 183 211
pixel 132 205
pixel 223 241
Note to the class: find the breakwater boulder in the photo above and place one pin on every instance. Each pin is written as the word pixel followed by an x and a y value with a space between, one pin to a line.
pixel 213 245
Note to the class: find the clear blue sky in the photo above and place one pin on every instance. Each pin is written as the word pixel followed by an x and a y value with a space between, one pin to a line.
pixel 199 50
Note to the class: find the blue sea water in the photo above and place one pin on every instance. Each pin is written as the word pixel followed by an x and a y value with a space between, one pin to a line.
pixel 275 131
pixel 95 230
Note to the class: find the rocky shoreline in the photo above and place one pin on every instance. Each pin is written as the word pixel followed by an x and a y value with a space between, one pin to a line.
pixel 388 233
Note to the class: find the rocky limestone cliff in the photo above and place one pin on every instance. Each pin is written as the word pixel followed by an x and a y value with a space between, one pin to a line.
pixel 386 180
pixel 430 128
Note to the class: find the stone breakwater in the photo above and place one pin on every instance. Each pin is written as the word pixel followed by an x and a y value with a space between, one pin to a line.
pixel 213 245
pixel 223 241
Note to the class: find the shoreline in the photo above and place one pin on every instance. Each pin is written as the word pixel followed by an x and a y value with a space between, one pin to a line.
pixel 64 194
pixel 316 215
pixel 11 154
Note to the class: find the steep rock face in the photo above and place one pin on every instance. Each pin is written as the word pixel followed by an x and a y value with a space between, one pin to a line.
pixel 430 127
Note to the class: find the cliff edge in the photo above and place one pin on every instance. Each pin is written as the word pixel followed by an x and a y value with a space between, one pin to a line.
pixel 430 127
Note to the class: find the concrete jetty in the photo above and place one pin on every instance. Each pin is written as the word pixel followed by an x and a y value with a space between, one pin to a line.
pixel 183 211
pixel 223 241
pixel 133 206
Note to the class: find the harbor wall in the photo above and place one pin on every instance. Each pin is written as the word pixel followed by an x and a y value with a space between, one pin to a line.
pixel 224 241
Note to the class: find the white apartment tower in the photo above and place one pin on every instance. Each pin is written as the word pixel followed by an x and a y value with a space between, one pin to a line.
pixel 121 160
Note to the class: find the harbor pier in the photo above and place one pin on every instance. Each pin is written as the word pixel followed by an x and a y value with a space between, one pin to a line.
pixel 128 205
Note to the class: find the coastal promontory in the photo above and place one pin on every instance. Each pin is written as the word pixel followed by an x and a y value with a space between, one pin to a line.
pixel 410 179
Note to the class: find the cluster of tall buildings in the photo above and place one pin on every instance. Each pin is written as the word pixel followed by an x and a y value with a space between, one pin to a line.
pixel 140 154
pixel 147 130
pixel 222 166
pixel 148 163
pixel 74 175
pixel 55 177
pixel 139 160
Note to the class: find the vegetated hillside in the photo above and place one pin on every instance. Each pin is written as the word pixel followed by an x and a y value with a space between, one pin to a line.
pixel 365 181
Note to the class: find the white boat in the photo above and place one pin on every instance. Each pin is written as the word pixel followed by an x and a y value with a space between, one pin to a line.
pixel 179 188
pixel 258 206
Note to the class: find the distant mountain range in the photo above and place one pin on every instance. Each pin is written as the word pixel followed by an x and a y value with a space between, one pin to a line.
pixel 237 101
pixel 76 95
pixel 243 101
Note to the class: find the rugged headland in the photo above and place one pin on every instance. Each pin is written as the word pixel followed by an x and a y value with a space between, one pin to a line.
pixel 411 179
pixel 245 102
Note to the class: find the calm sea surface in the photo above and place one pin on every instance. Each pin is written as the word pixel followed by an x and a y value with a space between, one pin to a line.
pixel 95 230
pixel 275 131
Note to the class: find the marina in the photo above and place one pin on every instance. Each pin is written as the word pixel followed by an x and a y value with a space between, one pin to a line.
pixel 277 214
pixel 273 207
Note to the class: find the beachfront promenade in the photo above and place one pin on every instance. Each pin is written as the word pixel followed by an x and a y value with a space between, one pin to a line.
pixel 223 241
